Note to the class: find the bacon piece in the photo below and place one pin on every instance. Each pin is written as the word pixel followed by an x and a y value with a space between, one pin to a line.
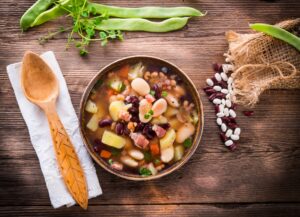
pixel 139 140
pixel 159 131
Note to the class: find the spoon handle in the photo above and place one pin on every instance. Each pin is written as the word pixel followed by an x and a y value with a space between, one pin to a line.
pixel 67 158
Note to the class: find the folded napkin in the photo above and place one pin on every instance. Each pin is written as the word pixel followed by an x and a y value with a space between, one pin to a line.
pixel 40 137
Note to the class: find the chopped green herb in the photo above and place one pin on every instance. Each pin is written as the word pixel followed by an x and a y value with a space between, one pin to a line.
pixel 122 88
pixel 145 172
pixel 164 93
pixel 110 161
pixel 115 152
pixel 147 156
pixel 149 114
pixel 157 161
pixel 187 143
pixel 98 84
pixel 152 92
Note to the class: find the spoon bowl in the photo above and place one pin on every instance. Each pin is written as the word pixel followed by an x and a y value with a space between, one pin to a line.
pixel 38 82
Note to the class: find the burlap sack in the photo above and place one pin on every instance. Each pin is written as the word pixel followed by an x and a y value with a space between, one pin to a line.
pixel 262 62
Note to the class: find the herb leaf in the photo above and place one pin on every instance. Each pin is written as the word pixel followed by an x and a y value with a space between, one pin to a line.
pixel 187 143
pixel 145 172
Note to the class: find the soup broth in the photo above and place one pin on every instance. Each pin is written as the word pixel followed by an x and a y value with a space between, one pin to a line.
pixel 140 118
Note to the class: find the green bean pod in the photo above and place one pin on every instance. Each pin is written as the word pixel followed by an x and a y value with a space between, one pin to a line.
pixel 145 12
pixel 34 11
pixel 278 33
pixel 139 24
pixel 48 15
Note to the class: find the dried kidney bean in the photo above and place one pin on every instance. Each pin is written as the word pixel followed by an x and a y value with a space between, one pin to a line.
pixel 105 122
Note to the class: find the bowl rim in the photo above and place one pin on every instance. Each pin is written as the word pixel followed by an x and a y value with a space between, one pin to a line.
pixel 172 168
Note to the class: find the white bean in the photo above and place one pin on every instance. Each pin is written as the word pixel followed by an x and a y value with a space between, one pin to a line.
pixel 223 127
pixel 223 102
pixel 172 100
pixel 234 137
pixel 221 108
pixel 237 131
pixel 230 80
pixel 232 113
pixel 229 142
pixel 184 132
pixel 136 154
pixel 226 112
pixel 209 82
pixel 159 107
pixel 220 114
pixel 217 88
pixel 218 77
pixel 225 91
pixel 140 86
pixel 129 161
pixel 217 101
pixel 228 96
pixel 167 154
pixel 228 133
pixel 224 76
pixel 144 108
pixel 219 121
pixel 228 103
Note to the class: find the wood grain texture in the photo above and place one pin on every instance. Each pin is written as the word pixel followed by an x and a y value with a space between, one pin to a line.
pixel 260 179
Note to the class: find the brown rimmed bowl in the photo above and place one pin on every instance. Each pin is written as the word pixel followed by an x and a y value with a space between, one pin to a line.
pixel 189 85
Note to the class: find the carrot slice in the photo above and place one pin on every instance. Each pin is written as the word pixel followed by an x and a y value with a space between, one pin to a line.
pixel 105 154
pixel 123 72
pixel 154 148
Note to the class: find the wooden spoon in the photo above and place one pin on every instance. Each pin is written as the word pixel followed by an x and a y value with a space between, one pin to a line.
pixel 41 87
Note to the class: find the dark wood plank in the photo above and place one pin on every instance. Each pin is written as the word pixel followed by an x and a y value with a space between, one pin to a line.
pixel 206 178
pixel 218 210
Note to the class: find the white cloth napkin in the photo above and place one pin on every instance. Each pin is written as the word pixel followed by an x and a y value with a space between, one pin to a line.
pixel 41 139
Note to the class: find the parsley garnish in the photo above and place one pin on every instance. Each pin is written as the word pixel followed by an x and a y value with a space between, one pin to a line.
pixel 164 93
pixel 145 172
pixel 187 143
pixel 149 114
pixel 152 92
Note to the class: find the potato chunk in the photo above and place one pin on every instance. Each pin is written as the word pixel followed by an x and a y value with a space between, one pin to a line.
pixel 111 139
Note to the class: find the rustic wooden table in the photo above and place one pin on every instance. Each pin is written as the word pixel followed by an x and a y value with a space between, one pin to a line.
pixel 261 178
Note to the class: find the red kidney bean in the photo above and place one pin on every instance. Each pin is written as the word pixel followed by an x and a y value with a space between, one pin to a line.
pixel 119 128
pixel 105 122
pixel 139 127
pixel 212 97
pixel 97 145
pixel 229 120
pixel 135 118
pixel 133 110
pixel 223 84
pixel 157 91
pixel 220 95
pixel 217 109
pixel 248 113
pixel 232 147
pixel 148 132
pixel 134 100
pixel 209 91
pixel 217 67
pixel 223 137
pixel 232 125
pixel 233 106
pixel 166 126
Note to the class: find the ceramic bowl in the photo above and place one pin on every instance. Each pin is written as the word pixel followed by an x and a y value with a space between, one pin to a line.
pixel 155 61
